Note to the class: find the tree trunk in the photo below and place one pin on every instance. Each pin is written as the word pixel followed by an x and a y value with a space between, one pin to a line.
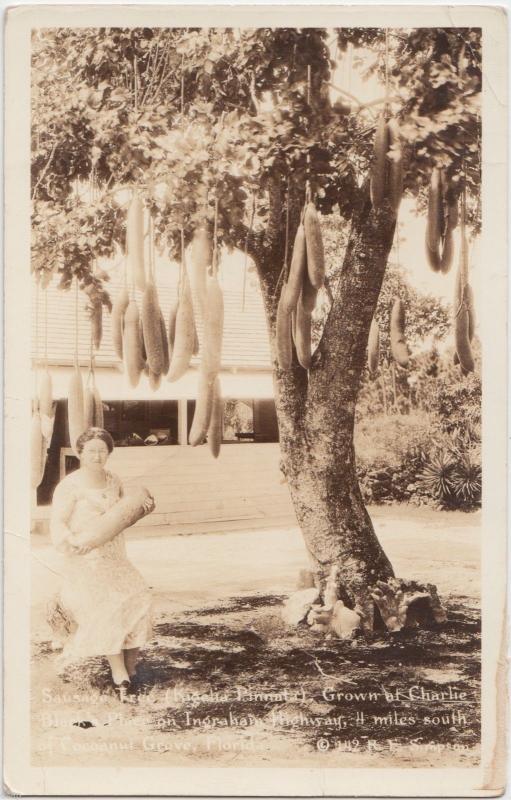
pixel 316 412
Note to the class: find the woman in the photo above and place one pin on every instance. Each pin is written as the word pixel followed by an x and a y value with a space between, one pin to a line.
pixel 105 596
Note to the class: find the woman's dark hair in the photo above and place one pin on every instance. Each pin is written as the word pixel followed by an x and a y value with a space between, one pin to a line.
pixel 94 433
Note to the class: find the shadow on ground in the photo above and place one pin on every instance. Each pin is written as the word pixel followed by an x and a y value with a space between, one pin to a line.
pixel 237 666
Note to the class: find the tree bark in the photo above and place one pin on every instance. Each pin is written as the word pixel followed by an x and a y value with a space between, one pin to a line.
pixel 316 413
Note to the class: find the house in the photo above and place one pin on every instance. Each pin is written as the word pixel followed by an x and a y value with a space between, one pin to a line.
pixel 249 476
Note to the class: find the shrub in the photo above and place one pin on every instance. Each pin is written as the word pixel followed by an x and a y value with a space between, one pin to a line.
pixel 408 458
pixel 408 434
pixel 452 471
pixel 390 454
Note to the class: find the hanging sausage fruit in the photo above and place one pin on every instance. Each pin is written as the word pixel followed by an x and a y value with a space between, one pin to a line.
pixel 464 318
pixel 314 246
pixel 135 242
pixel 210 362
pixel 386 182
pixel 373 347
pixel 398 344
pixel 119 307
pixel 46 405
pixel 152 330
pixel 165 345
pixel 469 297
pixel 37 451
pixel 172 326
pixel 302 335
pixel 184 337
pixel 96 319
pixel 200 259
pixel 132 344
pixel 297 270
pixel 88 405
pixel 216 425
pixel 379 166
pixel 93 406
pixel 442 220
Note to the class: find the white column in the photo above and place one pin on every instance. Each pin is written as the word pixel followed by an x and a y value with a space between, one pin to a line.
pixel 182 421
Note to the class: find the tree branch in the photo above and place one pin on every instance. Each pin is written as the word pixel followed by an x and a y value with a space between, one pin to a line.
pixel 45 170
pixel 344 338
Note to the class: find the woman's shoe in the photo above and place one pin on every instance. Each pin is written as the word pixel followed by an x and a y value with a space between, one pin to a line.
pixel 123 690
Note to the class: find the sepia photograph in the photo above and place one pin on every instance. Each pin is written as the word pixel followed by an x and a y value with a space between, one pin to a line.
pixel 257 362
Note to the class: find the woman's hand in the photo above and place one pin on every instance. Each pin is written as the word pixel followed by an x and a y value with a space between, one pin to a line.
pixel 149 505
pixel 82 549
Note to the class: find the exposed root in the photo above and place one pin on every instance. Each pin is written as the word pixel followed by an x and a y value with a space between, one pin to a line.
pixel 392 605
pixel 407 604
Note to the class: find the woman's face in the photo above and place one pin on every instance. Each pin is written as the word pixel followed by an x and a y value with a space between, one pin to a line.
pixel 94 454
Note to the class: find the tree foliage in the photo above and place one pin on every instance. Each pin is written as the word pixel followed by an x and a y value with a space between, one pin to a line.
pixel 233 119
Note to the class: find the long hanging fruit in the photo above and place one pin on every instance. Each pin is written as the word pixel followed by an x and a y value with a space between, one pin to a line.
pixel 99 415
pixel 211 361
pixel 45 394
pixel 96 321
pixel 143 352
pixel 463 300
pixel 314 246
pixel 398 344
pixel 386 182
pixel 379 166
pixel 184 332
pixel 132 345
pixel 297 270
pixel 93 406
pixel 442 220
pixel 119 307
pixel 89 408
pixel 152 330
pixel 135 242
pixel 435 221
pixel 75 407
pixel 373 347
pixel 302 335
pixel 213 326
pixel 395 167
pixel 200 259
pixel 469 297
pixel 45 405
pixel 172 326
pixel 165 345
pixel 37 451
pixel 203 407
pixel 215 430
pixel 309 294
pixel 154 380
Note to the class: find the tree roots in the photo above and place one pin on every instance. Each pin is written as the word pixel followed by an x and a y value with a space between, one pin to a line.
pixel 391 605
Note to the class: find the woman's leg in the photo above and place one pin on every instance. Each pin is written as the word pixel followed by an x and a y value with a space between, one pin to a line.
pixel 118 668
pixel 130 659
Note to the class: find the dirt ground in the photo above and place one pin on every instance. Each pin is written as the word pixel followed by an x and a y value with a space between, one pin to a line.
pixel 227 683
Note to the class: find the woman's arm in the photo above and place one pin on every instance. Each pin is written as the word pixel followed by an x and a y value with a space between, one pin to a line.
pixel 62 536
